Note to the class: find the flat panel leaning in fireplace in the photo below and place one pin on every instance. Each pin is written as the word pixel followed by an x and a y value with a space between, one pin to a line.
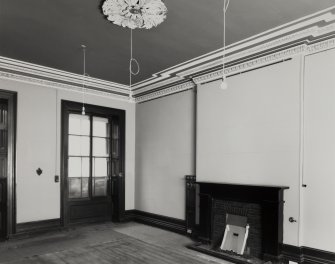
pixel 236 215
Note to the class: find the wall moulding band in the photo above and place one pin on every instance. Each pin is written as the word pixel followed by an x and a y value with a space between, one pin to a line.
pixel 164 92
pixel 252 64
pixel 321 46
pixel 305 29
pixel 39 75
pixel 59 85
pixel 302 49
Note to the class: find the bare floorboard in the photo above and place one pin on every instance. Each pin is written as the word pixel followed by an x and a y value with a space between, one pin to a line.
pixel 104 244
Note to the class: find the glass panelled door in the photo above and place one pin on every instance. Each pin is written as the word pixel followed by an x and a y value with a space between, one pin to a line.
pixel 93 165
pixel 3 165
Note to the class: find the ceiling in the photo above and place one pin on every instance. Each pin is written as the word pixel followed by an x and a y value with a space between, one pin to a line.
pixel 50 33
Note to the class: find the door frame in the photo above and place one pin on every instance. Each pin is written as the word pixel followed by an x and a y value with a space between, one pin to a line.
pixel 11 164
pixel 118 194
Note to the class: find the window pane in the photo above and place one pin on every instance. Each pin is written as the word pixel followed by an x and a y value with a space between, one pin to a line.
pixel 100 147
pixel 79 124
pixel 3 127
pixel 78 187
pixel 115 148
pixel 100 167
pixel 100 186
pixel 85 167
pixel 100 127
pixel 84 187
pixel 3 167
pixel 74 187
pixel 115 168
pixel 74 165
pixel 79 146
pixel 115 130
pixel 79 167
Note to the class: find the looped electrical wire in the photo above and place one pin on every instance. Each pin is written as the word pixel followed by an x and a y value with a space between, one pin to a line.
pixel 226 4
pixel 131 63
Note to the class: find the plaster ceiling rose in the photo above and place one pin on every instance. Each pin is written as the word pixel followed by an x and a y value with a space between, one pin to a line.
pixel 135 13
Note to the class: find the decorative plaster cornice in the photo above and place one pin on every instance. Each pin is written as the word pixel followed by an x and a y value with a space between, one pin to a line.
pixel 267 52
pixel 305 36
pixel 321 46
pixel 59 85
pixel 303 49
pixel 40 75
pixel 251 64
pixel 164 92
pixel 153 86
pixel 305 29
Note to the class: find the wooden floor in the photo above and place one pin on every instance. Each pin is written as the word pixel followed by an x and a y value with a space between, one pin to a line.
pixel 104 243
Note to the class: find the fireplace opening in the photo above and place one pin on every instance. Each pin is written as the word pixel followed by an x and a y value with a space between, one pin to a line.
pixel 235 234
pixel 239 223
pixel 236 229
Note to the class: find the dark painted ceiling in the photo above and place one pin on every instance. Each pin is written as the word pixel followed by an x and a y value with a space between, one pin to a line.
pixel 50 32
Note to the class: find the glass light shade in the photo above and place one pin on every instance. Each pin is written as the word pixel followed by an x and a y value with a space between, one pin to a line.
pixel 224 84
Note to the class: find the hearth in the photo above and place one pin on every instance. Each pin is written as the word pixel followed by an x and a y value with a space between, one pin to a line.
pixel 261 206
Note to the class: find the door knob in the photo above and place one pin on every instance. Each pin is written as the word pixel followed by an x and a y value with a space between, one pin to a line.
pixel 292 220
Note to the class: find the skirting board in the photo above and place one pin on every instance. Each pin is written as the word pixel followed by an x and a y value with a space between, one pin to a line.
pixel 36 227
pixel 306 255
pixel 164 222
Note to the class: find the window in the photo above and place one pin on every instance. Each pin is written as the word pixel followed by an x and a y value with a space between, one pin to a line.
pixel 89 156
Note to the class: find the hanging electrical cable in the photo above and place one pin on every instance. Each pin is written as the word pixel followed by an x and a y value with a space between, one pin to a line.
pixel 224 84
pixel 83 80
pixel 131 61
pixel 134 14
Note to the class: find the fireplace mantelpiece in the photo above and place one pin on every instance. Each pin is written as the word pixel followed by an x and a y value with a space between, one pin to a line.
pixel 270 199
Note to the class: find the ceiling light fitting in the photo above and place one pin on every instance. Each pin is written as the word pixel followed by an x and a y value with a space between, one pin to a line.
pixel 224 84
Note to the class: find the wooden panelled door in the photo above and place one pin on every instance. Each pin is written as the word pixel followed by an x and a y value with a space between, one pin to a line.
pixel 93 163
pixel 3 166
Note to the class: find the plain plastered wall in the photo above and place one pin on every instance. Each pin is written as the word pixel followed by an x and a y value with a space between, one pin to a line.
pixel 249 133
pixel 164 153
pixel 38 146
pixel 318 230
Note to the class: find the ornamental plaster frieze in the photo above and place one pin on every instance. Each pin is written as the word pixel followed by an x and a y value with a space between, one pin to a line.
pixel 157 85
pixel 282 55
pixel 248 48
pixel 301 37
pixel 164 92
pixel 321 46
pixel 59 85
pixel 46 73
pixel 248 65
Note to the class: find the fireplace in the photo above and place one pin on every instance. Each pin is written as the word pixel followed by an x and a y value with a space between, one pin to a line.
pixel 261 206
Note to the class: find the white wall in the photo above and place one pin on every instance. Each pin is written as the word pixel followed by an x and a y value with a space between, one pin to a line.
pixel 38 108
pixel 249 133
pixel 260 129
pixel 164 153
pixel 318 230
